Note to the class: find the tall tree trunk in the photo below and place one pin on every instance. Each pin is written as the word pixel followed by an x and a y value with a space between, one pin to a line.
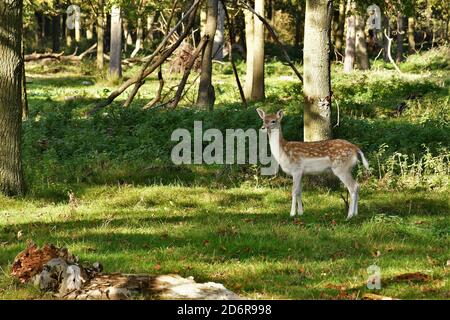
pixel 39 28
pixel 100 36
pixel 316 68
pixel 400 35
pixel 77 26
pixel 249 35
pixel 151 20
pixel 339 34
pixel 90 30
pixel 11 61
pixel 411 40
pixel 258 55
pixel 69 38
pixel 297 31
pixel 115 62
pixel 139 36
pixel 206 94
pixel 56 32
pixel 350 44
pixel 218 38
pixel 362 58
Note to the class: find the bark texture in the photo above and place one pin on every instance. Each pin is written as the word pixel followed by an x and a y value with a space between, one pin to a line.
pixel 362 58
pixel 350 44
pixel 206 95
pixel 100 36
pixel 258 55
pixel 115 63
pixel 400 36
pixel 249 32
pixel 11 62
pixel 411 39
pixel 317 86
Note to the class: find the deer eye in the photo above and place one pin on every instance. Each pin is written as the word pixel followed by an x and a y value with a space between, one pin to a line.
pixel 273 122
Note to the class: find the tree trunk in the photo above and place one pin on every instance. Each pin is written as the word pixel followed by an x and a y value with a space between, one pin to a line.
pixel 151 20
pixel 258 93
pixel 90 31
pixel 11 61
pixel 297 31
pixel 77 26
pixel 350 44
pixel 317 83
pixel 39 28
pixel 218 38
pixel 206 94
pixel 115 62
pixel 362 58
pixel 100 36
pixel 68 37
pixel 56 32
pixel 400 35
pixel 139 36
pixel 411 40
pixel 339 34
pixel 249 34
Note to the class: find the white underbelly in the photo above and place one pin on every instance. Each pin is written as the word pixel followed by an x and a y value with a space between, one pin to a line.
pixel 315 165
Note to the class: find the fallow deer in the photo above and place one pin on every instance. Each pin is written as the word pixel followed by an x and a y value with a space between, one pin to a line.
pixel 297 158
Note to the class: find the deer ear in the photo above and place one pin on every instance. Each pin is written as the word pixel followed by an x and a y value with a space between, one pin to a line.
pixel 280 114
pixel 261 113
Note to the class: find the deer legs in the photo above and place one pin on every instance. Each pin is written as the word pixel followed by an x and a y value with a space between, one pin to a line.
pixel 353 189
pixel 297 195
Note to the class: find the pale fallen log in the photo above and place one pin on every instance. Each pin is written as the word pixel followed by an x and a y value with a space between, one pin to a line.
pixel 53 269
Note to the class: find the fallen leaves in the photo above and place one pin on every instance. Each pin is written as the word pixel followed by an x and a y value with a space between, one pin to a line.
pixel 413 276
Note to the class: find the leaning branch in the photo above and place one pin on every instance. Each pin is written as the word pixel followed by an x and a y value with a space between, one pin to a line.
pixel 187 72
pixel 233 64
pixel 389 52
pixel 147 69
pixel 275 37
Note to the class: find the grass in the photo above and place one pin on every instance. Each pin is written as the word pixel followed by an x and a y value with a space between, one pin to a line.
pixel 136 212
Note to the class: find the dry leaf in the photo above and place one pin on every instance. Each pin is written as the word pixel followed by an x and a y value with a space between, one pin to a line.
pixel 372 296
pixel 414 276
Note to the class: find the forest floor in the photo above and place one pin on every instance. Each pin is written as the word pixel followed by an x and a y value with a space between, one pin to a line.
pixel 134 212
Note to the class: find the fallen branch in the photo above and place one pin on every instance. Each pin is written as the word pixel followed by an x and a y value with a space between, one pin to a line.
pixel 147 69
pixel 389 52
pixel 275 37
pixel 60 56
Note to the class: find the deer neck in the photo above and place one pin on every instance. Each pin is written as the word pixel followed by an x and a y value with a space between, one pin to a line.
pixel 276 142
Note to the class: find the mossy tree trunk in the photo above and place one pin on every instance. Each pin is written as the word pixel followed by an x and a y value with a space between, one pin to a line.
pixel 11 69
pixel 206 94
pixel 317 83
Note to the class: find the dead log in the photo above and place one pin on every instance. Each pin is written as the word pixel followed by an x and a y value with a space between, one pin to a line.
pixel 60 56
pixel 56 270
